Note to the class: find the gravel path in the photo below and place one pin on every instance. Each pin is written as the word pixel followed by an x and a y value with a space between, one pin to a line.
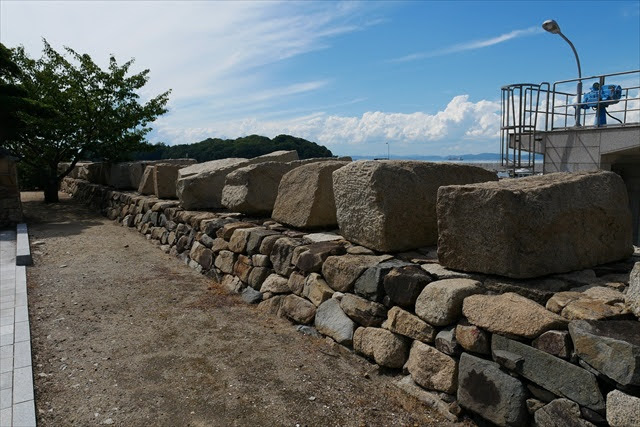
pixel 124 334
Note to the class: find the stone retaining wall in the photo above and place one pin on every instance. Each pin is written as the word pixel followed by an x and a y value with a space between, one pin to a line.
pixel 564 347
pixel 10 205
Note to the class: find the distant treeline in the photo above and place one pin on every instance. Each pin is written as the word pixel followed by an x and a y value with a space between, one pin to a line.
pixel 245 147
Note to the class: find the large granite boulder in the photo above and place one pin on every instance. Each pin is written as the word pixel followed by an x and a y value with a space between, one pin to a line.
pixel 94 172
pixel 488 391
pixel 253 189
pixel 610 347
pixel 146 182
pixel 200 186
pixel 305 196
pixel 390 206
pixel 165 178
pixel 530 227
pixel 128 175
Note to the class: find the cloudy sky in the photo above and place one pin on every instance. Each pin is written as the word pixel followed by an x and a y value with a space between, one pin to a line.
pixel 423 77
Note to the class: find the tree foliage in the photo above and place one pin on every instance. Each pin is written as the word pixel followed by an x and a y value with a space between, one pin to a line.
pixel 245 147
pixel 98 112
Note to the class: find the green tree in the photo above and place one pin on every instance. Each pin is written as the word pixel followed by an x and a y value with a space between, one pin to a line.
pixel 15 104
pixel 99 113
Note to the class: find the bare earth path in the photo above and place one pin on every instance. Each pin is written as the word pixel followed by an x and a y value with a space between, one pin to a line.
pixel 124 334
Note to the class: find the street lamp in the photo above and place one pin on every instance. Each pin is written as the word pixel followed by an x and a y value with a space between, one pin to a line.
pixel 553 27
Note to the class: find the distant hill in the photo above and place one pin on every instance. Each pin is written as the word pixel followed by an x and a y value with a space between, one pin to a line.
pixel 245 147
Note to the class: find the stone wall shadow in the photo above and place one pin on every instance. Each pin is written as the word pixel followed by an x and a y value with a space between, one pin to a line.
pixel 65 218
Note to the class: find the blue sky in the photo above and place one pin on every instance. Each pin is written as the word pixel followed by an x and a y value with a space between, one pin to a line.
pixel 424 77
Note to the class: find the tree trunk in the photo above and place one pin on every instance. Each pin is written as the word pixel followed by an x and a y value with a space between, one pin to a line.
pixel 51 191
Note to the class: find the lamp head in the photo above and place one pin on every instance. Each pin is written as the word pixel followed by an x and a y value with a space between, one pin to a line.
pixel 551 26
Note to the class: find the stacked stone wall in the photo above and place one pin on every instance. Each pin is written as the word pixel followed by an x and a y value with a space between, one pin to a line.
pixel 10 205
pixel 562 348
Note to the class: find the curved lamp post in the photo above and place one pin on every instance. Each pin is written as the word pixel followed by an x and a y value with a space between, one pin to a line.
pixel 553 27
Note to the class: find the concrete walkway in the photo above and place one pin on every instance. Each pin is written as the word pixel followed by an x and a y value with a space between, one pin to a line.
pixel 16 374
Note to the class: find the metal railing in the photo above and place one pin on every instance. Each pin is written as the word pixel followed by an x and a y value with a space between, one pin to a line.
pixel 528 109
pixel 626 110
pixel 519 127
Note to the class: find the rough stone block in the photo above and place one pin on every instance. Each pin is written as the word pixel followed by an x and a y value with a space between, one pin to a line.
pixel 560 413
pixel 314 255
pixel 224 261
pixel 282 254
pixel 510 314
pixel 315 289
pixel 296 283
pixel 403 285
pixel 331 321
pixel 633 293
pixel 370 284
pixel 446 341
pixel 257 277
pixel 610 347
pixel 432 369
pixel 384 347
pixel 298 309
pixel 305 196
pixel 390 206
pixel 239 239
pixel 341 272
pixel 275 284
pixel 202 255
pixel 491 393
pixel 623 410
pixel 362 311
pixel 404 323
pixel 440 302
pixel 557 343
pixel 530 227
pixel 200 186
pixel 553 374
pixel 472 338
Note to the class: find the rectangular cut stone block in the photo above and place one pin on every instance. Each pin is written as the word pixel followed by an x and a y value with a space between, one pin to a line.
pixel 530 227
pixel 130 174
pixel 253 189
pixel 390 206
pixel 165 176
pixel 200 186
pixel 305 196
pixel 146 182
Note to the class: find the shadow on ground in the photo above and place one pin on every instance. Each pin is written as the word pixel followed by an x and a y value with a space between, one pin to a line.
pixel 55 219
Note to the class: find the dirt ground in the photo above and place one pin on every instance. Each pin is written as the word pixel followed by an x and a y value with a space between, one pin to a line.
pixel 124 334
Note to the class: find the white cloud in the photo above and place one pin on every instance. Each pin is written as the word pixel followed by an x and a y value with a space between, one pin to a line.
pixel 471 45
pixel 461 120
pixel 201 50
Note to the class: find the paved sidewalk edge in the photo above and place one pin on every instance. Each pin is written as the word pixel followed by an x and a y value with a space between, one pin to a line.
pixel 23 251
